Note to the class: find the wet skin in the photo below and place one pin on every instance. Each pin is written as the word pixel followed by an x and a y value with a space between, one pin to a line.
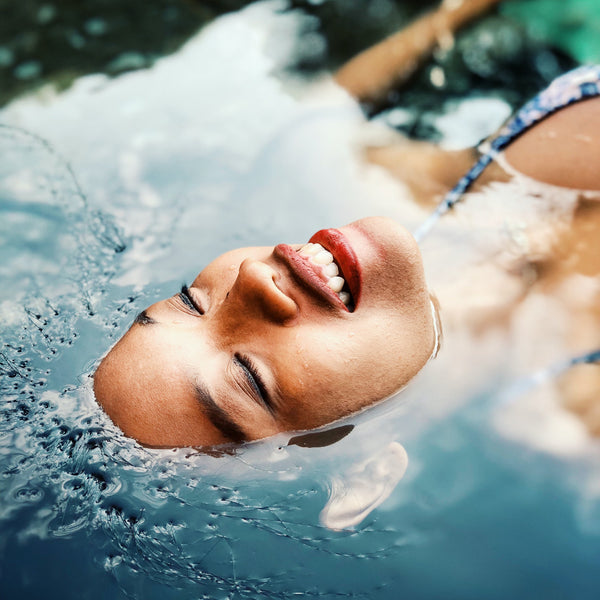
pixel 259 346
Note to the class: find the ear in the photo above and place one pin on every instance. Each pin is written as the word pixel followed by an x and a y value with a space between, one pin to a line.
pixel 363 487
pixel 322 438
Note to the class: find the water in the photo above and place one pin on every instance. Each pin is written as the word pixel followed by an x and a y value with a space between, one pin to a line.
pixel 113 193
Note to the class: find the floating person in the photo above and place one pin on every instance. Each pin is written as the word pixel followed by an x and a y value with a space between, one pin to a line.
pixel 294 337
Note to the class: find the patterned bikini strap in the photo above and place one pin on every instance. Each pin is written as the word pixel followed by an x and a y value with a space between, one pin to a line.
pixel 576 85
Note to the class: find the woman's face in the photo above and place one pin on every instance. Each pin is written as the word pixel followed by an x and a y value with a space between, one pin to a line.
pixel 262 342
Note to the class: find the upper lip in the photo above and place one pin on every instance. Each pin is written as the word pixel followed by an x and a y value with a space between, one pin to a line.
pixel 344 256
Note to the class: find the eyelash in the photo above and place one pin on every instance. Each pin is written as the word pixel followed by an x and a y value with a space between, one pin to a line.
pixel 188 301
pixel 250 370
pixel 253 375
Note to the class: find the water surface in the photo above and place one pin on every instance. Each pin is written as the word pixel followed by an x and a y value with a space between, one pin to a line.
pixel 117 190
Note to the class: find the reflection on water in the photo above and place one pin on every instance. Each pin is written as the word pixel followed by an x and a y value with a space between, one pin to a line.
pixel 114 192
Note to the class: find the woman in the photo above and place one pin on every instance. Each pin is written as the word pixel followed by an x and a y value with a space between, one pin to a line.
pixel 294 337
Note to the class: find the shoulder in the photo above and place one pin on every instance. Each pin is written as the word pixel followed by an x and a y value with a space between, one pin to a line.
pixel 563 149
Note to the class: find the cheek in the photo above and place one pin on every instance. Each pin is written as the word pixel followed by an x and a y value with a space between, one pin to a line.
pixel 329 373
pixel 334 362
pixel 383 355
pixel 402 285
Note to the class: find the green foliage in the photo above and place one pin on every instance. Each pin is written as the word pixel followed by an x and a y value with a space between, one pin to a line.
pixel 571 25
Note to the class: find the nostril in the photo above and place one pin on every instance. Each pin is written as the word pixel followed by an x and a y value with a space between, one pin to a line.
pixel 259 283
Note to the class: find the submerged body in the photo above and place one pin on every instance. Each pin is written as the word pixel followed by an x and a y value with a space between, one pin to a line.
pixel 539 180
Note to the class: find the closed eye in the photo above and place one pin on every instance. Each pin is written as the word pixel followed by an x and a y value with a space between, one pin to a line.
pixel 188 300
pixel 255 380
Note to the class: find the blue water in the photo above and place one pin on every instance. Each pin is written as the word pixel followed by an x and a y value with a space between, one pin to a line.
pixel 113 193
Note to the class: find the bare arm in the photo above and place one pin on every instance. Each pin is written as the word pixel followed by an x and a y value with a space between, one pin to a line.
pixel 426 168
pixel 370 74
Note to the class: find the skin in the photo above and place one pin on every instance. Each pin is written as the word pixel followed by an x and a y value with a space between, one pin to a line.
pixel 372 73
pixel 318 361
pixel 564 149
pixel 319 364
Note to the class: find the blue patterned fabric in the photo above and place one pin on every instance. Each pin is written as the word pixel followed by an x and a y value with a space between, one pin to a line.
pixel 576 85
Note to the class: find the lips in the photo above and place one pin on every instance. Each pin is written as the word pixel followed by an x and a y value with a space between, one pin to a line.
pixel 334 241
pixel 305 274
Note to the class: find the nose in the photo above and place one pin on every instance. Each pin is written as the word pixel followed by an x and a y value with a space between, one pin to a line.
pixel 256 292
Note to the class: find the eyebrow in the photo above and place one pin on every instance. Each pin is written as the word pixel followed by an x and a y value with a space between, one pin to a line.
pixel 144 318
pixel 217 416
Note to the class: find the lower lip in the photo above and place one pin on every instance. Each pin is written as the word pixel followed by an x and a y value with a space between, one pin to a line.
pixel 334 241
pixel 307 276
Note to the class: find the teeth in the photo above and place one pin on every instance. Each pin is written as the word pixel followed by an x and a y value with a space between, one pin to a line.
pixel 310 249
pixel 323 258
pixel 344 297
pixel 331 270
pixel 336 284
pixel 318 256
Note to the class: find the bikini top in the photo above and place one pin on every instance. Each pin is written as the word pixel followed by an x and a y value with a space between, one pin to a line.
pixel 576 85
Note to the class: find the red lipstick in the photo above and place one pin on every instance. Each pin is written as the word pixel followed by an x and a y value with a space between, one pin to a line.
pixel 310 278
pixel 306 275
pixel 334 241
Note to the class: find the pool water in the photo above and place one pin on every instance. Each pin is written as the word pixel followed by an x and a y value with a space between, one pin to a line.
pixel 114 192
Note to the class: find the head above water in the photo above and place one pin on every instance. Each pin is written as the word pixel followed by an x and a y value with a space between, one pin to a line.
pixel 264 340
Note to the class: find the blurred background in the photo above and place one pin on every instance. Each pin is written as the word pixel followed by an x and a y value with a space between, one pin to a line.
pixel 525 41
